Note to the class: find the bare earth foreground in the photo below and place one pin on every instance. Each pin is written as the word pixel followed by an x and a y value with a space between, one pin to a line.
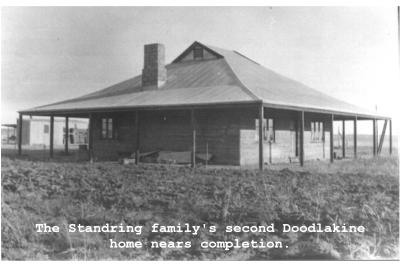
pixel 353 192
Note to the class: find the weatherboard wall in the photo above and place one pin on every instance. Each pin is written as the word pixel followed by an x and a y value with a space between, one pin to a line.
pixel 229 134
pixel 109 149
pixel 283 149
pixel 216 131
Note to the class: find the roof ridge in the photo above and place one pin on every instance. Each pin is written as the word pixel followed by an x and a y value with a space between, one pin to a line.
pixel 246 57
pixel 226 53
pixel 242 85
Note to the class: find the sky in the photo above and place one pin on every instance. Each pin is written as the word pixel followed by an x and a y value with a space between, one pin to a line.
pixel 50 54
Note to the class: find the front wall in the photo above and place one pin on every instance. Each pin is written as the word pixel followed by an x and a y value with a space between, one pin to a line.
pixel 278 151
pixel 216 130
pixel 283 150
pixel 165 130
pixel 228 134
pixel 108 149
pixel 37 135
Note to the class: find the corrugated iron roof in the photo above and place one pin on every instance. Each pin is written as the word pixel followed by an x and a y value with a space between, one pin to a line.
pixel 154 98
pixel 275 89
pixel 231 79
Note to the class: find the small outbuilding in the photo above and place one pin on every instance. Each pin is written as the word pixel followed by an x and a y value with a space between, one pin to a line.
pixel 36 132
pixel 8 133
pixel 211 101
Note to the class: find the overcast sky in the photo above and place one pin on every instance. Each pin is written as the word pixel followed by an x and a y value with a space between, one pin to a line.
pixel 55 53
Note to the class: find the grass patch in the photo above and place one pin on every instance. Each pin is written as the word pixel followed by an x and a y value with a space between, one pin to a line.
pixel 362 192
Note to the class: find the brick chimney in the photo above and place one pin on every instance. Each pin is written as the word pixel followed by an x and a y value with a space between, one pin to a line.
pixel 154 73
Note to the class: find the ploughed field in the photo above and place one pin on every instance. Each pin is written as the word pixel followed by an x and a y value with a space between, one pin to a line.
pixel 362 192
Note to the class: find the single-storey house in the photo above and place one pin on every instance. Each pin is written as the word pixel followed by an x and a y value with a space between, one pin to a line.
pixel 216 101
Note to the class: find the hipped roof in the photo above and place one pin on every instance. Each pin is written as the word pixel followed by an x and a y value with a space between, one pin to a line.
pixel 230 78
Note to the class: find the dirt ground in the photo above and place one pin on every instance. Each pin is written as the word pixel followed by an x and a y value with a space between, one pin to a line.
pixel 360 192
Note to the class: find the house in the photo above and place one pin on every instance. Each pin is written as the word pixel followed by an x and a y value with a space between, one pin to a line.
pixel 8 133
pixel 36 132
pixel 212 100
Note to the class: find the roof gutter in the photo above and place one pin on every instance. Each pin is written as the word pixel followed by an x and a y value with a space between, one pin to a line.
pixel 86 111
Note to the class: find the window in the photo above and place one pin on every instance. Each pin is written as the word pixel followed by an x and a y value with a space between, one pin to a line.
pixel 269 135
pixel 46 128
pixel 198 53
pixel 268 130
pixel 317 131
pixel 107 128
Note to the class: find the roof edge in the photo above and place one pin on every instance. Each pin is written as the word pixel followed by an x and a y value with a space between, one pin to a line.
pixel 124 108
pixel 203 105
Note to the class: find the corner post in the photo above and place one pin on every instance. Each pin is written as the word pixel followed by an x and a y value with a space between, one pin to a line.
pixel 331 138
pixel 193 124
pixel 355 136
pixel 374 137
pixel 382 139
pixel 8 135
pixel 91 137
pixel 20 122
pixel 51 136
pixel 390 137
pixel 343 138
pixel 137 151
pixel 302 138
pixel 66 134
pixel 260 137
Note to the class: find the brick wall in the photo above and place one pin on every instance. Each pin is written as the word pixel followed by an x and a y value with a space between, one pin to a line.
pixel 154 73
